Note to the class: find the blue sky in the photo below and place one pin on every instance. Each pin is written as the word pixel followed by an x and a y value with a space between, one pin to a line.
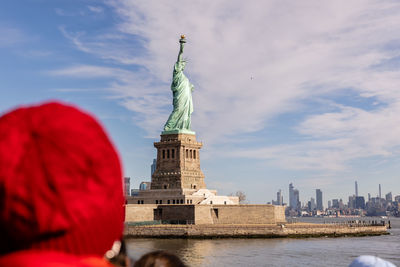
pixel 302 92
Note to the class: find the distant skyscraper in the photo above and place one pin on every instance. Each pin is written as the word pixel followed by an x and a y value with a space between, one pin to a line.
pixel 153 167
pixel 318 193
pixel 356 189
pixel 127 186
pixel 134 192
pixel 297 199
pixel 341 205
pixel 352 200
pixel 369 197
pixel 294 198
pixel 313 206
pixel 279 198
pixel 329 204
pixel 292 202
pixel 144 186
pixel 359 203
pixel 335 203
pixel 389 197
pixel 380 192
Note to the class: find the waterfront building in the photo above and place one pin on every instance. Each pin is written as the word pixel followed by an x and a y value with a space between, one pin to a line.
pixel 389 197
pixel 376 207
pixel 318 194
pixel 127 186
pixel 396 208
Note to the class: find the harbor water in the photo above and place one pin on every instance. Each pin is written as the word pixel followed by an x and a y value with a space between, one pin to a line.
pixel 277 251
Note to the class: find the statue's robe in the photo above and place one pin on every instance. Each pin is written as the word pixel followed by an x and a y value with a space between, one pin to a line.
pixel 183 104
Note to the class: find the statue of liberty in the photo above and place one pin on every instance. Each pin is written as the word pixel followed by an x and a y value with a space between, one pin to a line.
pixel 179 120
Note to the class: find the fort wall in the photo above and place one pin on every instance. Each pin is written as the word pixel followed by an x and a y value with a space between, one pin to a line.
pixel 246 231
pixel 139 213
pixel 207 214
pixel 247 214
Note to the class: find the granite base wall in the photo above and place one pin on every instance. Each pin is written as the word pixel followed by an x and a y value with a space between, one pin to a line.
pixel 139 213
pixel 248 231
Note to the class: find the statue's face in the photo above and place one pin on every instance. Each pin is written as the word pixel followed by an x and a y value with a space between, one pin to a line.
pixel 180 65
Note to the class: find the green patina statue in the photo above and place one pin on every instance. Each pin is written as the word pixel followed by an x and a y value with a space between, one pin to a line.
pixel 179 120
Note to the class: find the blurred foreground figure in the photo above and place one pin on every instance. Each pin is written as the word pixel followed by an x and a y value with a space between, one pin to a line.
pixel 159 259
pixel 61 198
pixel 370 261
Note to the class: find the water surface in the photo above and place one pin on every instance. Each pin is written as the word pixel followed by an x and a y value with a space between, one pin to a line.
pixel 275 252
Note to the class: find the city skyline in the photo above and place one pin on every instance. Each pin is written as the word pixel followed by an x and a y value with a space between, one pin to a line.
pixel 293 193
pixel 293 92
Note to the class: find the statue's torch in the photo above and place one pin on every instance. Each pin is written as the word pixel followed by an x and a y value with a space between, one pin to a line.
pixel 182 40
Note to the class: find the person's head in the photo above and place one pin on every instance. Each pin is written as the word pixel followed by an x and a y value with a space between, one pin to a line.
pixel 370 261
pixel 60 182
pixel 159 259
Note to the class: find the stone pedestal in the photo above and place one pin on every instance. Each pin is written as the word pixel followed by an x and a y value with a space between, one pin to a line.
pixel 178 178
pixel 178 163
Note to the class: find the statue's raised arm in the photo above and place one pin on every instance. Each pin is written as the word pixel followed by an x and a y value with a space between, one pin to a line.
pixel 182 42
pixel 180 119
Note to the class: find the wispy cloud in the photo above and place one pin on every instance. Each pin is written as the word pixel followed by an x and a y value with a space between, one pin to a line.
pixel 10 36
pixel 335 139
pixel 103 46
pixel 69 90
pixel 251 62
pixel 74 38
pixel 130 88
pixel 69 13
pixel 62 12
pixel 84 11
pixel 37 53
pixel 96 9
pixel 88 71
